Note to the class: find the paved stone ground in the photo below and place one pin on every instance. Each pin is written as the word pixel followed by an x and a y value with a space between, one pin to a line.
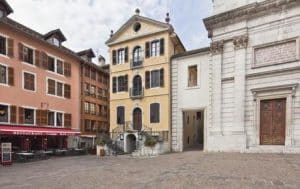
pixel 175 171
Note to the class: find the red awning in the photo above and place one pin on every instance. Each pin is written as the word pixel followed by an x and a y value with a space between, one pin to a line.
pixel 24 130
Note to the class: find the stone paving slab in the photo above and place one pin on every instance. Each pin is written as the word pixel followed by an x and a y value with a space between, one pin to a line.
pixel 187 170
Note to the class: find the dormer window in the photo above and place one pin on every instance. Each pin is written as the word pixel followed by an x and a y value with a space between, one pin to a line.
pixel 54 41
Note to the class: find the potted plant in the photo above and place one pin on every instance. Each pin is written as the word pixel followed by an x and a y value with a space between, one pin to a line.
pixel 150 141
pixel 101 140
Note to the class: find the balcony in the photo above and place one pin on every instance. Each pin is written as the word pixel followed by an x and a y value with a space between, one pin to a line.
pixel 136 63
pixel 136 93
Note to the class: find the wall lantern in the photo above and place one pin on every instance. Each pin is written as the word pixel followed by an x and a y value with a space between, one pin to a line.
pixel 121 136
pixel 140 136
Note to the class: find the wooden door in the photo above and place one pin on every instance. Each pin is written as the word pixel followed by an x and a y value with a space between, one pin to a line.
pixel 272 122
pixel 137 119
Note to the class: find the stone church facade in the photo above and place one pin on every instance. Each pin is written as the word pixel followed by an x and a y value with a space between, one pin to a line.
pixel 254 75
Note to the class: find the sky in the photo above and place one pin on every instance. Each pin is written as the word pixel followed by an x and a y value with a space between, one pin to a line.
pixel 87 23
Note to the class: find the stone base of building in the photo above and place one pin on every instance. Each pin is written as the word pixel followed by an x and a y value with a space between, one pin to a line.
pixel 226 143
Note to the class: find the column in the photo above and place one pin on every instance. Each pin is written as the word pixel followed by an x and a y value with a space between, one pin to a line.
pixel 240 45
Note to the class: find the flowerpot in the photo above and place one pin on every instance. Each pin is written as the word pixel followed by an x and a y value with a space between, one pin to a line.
pixel 100 148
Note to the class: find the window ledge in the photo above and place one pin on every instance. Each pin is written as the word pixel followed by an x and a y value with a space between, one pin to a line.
pixel 28 90
pixel 55 73
pixel 29 64
pixel 191 88
pixel 61 97
pixel 4 56
pixel 4 85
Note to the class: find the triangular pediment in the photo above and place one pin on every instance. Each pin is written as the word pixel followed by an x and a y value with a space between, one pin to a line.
pixel 131 29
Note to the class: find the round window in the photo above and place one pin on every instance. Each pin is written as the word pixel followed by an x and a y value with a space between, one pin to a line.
pixel 137 26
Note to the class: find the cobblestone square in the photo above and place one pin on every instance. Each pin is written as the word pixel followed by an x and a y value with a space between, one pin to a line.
pixel 187 170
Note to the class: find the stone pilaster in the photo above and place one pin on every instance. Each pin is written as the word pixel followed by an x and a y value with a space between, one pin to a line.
pixel 240 46
pixel 216 49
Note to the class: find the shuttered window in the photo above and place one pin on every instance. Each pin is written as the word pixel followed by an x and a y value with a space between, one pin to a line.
pixel 51 63
pixel 29 81
pixel 121 56
pixel 67 91
pixel 51 86
pixel 67 120
pixel 59 89
pixel 67 69
pixel 28 55
pixel 3 45
pixel 154 113
pixel 121 115
pixel 29 116
pixel 154 79
pixel 155 48
pixel 13 114
pixel 3 74
pixel 3 113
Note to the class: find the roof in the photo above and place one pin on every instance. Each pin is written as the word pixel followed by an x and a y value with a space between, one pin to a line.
pixel 89 52
pixel 135 18
pixel 56 32
pixel 191 52
pixel 7 7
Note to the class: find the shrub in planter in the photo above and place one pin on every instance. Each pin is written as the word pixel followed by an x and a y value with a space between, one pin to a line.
pixel 150 141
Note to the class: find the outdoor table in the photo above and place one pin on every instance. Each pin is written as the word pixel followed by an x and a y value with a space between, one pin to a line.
pixel 60 152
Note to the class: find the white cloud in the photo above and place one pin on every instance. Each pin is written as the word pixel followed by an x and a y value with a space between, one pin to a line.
pixel 85 23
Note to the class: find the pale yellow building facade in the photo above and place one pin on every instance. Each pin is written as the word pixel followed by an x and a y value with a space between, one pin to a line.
pixel 140 53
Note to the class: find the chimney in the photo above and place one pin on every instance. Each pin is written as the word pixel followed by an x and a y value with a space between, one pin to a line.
pixel 101 60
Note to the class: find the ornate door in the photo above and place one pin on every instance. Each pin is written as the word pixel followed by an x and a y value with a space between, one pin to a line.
pixel 137 119
pixel 272 122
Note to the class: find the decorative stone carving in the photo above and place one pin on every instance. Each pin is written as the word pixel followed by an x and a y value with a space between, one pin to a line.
pixel 217 47
pixel 240 42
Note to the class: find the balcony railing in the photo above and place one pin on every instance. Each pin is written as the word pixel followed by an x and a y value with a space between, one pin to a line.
pixel 136 93
pixel 137 63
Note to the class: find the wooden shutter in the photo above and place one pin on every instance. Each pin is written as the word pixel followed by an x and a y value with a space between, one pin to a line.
pixel 11 78
pixel 114 57
pixel 21 115
pixel 114 85
pixel 38 117
pixel 147 49
pixel 13 114
pixel 21 51
pixel 162 83
pixel 44 60
pixel 162 46
pixel 68 120
pixel 126 54
pixel 44 117
pixel 51 86
pixel 10 48
pixel 37 58
pixel 67 91
pixel 147 81
pixel 126 82
pixel 67 69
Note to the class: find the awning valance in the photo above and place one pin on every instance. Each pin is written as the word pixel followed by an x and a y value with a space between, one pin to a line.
pixel 24 130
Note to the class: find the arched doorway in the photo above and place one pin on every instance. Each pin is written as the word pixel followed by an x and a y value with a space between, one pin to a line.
pixel 130 143
pixel 137 88
pixel 137 119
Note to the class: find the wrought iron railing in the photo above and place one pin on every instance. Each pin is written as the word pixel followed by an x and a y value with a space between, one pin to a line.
pixel 136 63
pixel 136 93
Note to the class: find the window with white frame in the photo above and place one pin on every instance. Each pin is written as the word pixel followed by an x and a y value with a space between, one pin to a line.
pixel 55 65
pixel 3 113
pixel 59 89
pixel 93 108
pixel 55 88
pixel 55 119
pixel 86 107
pixel 3 45
pixel 155 48
pixel 28 54
pixel 29 81
pixel 121 56
pixel 29 116
pixel 3 74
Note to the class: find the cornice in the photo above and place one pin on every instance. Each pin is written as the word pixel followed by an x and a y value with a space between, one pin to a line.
pixel 245 12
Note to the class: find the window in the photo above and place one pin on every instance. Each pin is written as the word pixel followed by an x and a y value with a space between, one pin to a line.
pixel 51 118
pixel 29 81
pixel 121 56
pixel 93 109
pixel 28 55
pixel 155 48
pixel 99 93
pixel 51 64
pixel 120 84
pixel 137 56
pixel 93 90
pixel 87 125
pixel 154 113
pixel 1 13
pixel 120 115
pixel 60 67
pixel 29 116
pixel 86 89
pixel 93 74
pixel 3 74
pixel 155 78
pixel 55 119
pixel 59 119
pixel 59 89
pixel 192 80
pixel 3 114
pixel 87 71
pixel 86 107
pixel 55 41
pixel 51 86
pixel 2 45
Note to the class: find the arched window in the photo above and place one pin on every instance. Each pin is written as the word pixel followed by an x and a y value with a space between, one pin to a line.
pixel 137 56
pixel 137 87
